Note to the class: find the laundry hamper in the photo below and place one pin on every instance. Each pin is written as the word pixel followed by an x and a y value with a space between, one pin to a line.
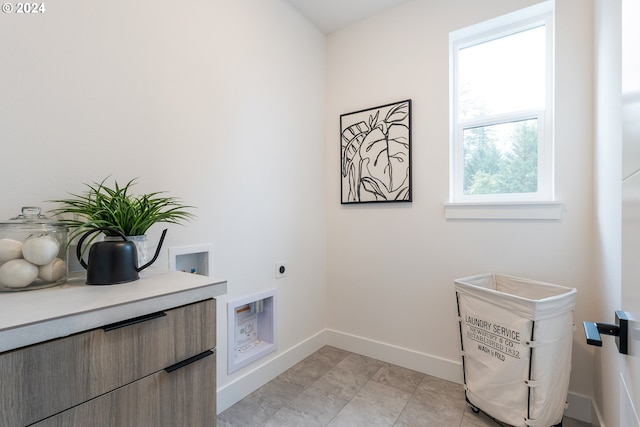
pixel 516 337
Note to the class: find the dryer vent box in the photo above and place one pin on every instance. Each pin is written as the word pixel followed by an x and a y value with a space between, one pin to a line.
pixel 196 259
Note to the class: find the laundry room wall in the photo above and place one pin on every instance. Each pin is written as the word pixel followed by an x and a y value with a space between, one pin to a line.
pixel 391 267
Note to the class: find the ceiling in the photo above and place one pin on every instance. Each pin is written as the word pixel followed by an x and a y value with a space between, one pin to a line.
pixel 332 15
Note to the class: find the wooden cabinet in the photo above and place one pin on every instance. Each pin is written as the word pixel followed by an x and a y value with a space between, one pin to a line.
pixel 157 369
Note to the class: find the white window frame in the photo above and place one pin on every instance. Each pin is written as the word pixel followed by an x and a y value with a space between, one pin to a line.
pixel 531 17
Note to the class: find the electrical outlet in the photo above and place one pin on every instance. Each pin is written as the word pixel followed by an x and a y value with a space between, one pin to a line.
pixel 282 268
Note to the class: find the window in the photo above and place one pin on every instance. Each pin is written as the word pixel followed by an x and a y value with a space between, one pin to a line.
pixel 501 109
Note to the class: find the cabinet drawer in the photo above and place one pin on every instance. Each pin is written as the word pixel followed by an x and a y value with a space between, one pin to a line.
pixel 158 400
pixel 47 378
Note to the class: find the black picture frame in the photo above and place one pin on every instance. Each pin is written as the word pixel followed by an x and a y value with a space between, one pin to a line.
pixel 375 154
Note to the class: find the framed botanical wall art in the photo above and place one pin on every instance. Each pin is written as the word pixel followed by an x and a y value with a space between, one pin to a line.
pixel 375 154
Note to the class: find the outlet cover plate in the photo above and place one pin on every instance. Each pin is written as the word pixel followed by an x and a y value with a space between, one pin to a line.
pixel 282 268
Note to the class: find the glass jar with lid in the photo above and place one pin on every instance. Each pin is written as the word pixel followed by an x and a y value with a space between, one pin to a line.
pixel 33 251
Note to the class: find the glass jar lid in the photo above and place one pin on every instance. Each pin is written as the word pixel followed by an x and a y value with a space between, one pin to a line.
pixel 32 215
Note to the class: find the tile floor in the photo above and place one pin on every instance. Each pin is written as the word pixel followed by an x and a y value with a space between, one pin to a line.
pixel 336 388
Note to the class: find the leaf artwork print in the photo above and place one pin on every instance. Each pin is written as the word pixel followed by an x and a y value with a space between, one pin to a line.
pixel 375 154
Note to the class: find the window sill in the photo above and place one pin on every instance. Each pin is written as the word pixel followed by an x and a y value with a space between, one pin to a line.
pixel 515 211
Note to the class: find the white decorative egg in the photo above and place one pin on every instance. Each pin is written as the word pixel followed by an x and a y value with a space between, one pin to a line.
pixel 17 273
pixel 10 249
pixel 53 271
pixel 40 250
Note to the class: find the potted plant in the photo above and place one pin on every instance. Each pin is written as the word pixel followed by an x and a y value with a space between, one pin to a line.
pixel 117 208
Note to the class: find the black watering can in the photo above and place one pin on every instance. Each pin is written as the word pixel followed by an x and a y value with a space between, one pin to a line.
pixel 113 262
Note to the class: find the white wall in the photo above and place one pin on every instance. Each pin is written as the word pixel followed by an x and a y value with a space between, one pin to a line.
pixel 608 167
pixel 218 102
pixel 391 267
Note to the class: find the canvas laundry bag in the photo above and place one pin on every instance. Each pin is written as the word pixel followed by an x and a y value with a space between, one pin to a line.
pixel 516 337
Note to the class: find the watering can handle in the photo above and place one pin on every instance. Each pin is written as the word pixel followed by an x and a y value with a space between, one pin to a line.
pixel 90 232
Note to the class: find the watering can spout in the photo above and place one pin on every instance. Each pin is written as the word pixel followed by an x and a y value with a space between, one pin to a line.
pixel 155 256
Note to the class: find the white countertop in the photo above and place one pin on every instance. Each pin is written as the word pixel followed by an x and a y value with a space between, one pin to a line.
pixel 30 317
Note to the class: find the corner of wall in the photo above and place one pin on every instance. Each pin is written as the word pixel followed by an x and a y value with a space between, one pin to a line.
pixel 255 378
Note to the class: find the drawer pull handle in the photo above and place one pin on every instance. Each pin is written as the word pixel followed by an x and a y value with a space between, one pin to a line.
pixel 133 321
pixel 188 361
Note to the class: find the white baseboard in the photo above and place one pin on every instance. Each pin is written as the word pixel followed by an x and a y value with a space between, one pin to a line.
pixel 428 364
pixel 596 416
pixel 580 407
pixel 262 373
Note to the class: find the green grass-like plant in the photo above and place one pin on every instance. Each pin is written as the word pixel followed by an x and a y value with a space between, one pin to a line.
pixel 115 207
